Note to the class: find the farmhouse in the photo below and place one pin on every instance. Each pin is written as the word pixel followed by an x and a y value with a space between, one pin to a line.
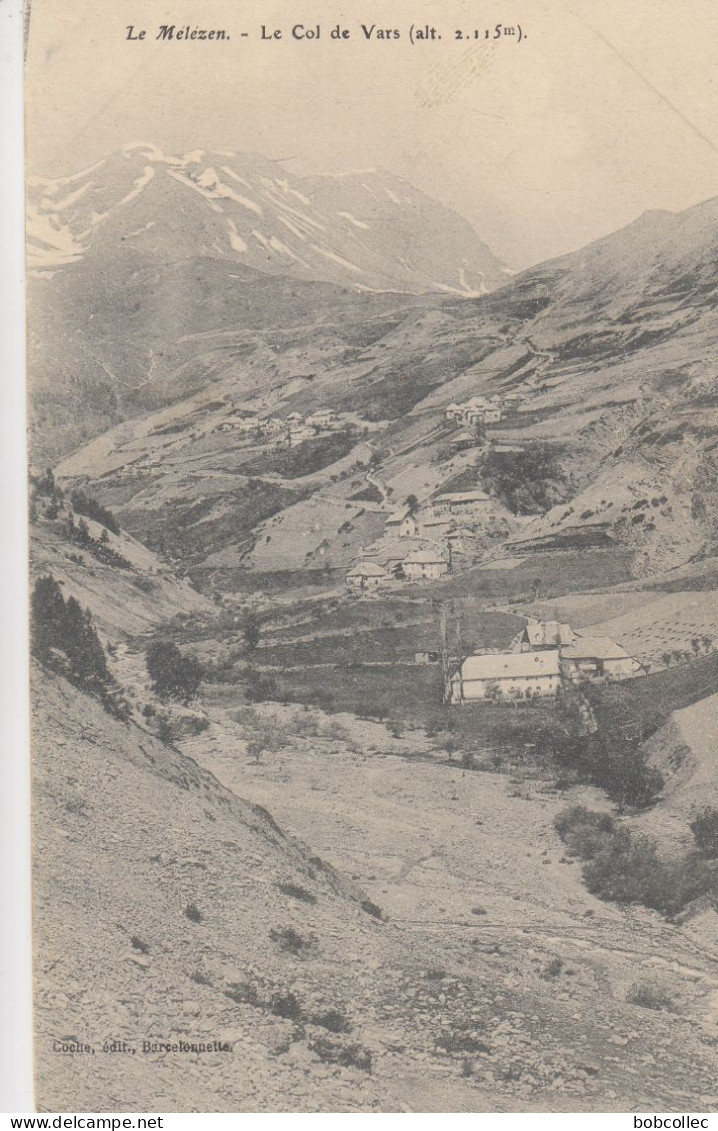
pixel 480 411
pixel 402 523
pixel 300 433
pixel 245 425
pixel 477 410
pixel 324 418
pixel 462 441
pixel 597 658
pixel 545 635
pixel 366 577
pixel 271 425
pixel 464 503
pixel 424 565
pixel 506 676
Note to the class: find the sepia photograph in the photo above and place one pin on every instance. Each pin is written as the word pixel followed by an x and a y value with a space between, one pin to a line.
pixel 373 537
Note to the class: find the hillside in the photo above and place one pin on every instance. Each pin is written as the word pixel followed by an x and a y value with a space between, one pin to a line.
pixel 208 250
pixel 605 355
pixel 365 983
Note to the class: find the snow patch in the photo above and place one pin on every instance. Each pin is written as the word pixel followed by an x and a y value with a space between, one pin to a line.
pixel 49 205
pixel 138 231
pixel 235 239
pixel 353 220
pixel 138 186
pixel 287 188
pixel 339 259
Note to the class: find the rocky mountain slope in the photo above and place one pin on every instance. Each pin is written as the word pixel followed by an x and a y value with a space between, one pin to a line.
pixel 607 353
pixel 363 983
pixel 368 229
pixel 136 261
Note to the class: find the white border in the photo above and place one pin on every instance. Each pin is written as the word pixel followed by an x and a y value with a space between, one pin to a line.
pixel 16 1077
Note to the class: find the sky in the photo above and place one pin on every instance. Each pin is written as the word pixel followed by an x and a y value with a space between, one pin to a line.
pixel 601 112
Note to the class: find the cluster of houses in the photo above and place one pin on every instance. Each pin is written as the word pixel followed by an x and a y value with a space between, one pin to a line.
pixel 540 660
pixel 419 543
pixel 291 430
pixel 477 410
pixel 368 576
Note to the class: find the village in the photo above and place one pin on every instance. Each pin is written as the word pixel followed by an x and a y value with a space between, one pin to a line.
pixel 543 658
pixel 286 431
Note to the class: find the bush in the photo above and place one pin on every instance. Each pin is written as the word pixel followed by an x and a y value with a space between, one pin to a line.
pixel 173 675
pixel 88 505
pixel 333 1020
pixel 627 869
pixel 704 827
pixel 258 688
pixel 290 940
pixel 527 481
pixel 349 1056
pixel 297 892
pixel 648 996
pixel 371 909
pixel 286 1005
pixel 193 913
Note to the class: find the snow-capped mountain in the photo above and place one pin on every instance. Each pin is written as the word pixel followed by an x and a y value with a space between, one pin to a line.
pixel 369 230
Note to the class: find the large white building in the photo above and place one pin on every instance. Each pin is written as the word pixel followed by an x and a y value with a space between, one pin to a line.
pixel 469 504
pixel 506 677
pixel 424 565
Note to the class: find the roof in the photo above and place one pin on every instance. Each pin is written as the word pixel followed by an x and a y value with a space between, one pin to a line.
pixel 595 648
pixel 367 569
pixel 424 557
pixel 397 517
pixel 549 632
pixel 510 665
pixel 463 497
pixel 477 402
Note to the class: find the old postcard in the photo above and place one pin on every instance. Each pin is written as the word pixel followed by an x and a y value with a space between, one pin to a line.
pixel 374 526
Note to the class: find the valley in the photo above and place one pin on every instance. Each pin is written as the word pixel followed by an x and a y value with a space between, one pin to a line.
pixel 315 483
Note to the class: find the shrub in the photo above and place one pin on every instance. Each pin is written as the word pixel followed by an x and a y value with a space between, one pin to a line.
pixel 553 968
pixel 333 1020
pixel 349 1056
pixel 286 1005
pixel 88 505
pixel 627 869
pixel 460 1041
pixel 527 481
pixel 290 940
pixel 173 675
pixel 648 996
pixel 258 688
pixel 297 892
pixel 193 913
pixel 704 827
pixel 371 909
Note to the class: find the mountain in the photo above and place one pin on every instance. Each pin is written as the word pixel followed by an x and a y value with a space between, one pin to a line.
pixel 189 892
pixel 369 230
pixel 607 353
